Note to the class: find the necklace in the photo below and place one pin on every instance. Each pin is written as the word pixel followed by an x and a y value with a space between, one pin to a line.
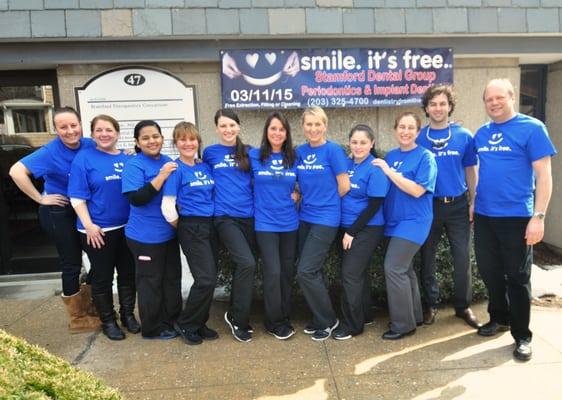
pixel 439 144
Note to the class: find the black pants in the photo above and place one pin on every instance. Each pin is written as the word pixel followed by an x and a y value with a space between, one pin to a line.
pixel 355 280
pixel 60 225
pixel 158 276
pixel 278 251
pixel 238 236
pixel 115 254
pixel 453 217
pixel 314 244
pixel 197 241
pixel 504 260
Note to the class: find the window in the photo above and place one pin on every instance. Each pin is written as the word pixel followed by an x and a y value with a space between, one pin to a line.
pixel 532 98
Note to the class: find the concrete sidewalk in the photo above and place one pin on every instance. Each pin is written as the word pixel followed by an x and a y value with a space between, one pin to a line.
pixel 444 361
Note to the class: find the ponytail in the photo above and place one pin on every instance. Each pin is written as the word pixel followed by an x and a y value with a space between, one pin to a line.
pixel 241 155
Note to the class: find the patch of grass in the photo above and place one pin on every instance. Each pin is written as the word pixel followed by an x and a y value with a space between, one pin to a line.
pixel 30 372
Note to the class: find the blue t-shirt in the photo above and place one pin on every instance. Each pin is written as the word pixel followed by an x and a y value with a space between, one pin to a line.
pixel 193 187
pixel 52 163
pixel 366 181
pixel 452 158
pixel 406 216
pixel 275 210
pixel 95 176
pixel 506 152
pixel 233 187
pixel 317 168
pixel 146 223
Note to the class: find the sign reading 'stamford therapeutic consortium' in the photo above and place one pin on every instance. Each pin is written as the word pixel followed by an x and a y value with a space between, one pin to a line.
pixel 132 94
pixel 332 78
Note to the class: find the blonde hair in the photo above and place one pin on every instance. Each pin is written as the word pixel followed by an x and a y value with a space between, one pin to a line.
pixel 187 130
pixel 504 83
pixel 317 112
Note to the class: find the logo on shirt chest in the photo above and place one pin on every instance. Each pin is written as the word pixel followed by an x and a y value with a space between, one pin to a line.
pixel 396 165
pixel 276 165
pixel 309 163
pixel 118 166
pixel 495 143
pixel 202 179
pixel 229 162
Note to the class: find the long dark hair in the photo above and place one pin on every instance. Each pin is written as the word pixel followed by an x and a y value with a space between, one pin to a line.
pixel 241 151
pixel 143 124
pixel 370 134
pixel 287 147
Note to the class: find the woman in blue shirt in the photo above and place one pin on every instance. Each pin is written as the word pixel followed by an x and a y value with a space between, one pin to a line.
pixel 323 179
pixel 94 189
pixel 189 193
pixel 150 237
pixel 52 163
pixel 408 213
pixel 234 216
pixel 362 222
pixel 276 220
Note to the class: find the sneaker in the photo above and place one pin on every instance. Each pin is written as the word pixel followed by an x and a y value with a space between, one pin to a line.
pixel 282 332
pixel 322 334
pixel 291 327
pixel 341 334
pixel 166 334
pixel 207 333
pixel 309 329
pixel 191 338
pixel 492 328
pixel 239 334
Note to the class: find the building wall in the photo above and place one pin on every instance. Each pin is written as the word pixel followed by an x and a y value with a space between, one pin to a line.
pixel 471 76
pixel 158 18
pixel 553 228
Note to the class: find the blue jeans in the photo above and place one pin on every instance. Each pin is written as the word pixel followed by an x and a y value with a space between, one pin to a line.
pixel 60 224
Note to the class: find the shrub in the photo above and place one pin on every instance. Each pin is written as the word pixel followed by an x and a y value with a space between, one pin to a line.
pixel 332 264
pixel 30 372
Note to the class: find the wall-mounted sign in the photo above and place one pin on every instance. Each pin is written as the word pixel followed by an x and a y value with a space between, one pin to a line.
pixel 332 78
pixel 131 94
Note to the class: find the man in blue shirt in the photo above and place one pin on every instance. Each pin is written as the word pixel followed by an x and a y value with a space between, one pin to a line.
pixel 515 153
pixel 456 160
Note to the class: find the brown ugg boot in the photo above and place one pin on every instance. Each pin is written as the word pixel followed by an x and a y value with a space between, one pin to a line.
pixel 79 321
pixel 86 293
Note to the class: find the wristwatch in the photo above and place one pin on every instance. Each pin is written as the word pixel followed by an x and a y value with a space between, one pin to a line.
pixel 539 214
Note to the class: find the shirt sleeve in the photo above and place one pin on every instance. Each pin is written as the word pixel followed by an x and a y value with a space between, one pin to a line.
pixel 426 174
pixel 378 183
pixel 39 163
pixel 338 159
pixel 539 144
pixel 78 184
pixel 171 185
pixel 469 158
pixel 132 178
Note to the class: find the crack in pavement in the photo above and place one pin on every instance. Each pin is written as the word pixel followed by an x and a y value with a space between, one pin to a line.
pixel 89 343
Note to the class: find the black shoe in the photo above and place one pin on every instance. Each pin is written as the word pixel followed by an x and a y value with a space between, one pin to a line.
pixel 468 316
pixel 341 333
pixel 309 329
pixel 207 333
pixel 189 337
pixel 391 335
pixel 166 334
pixel 282 332
pixel 239 334
pixel 429 315
pixel 104 305
pixel 290 326
pixel 127 296
pixel 322 334
pixel 523 350
pixel 492 328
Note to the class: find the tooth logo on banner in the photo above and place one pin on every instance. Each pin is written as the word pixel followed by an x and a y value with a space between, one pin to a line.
pixel 496 139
